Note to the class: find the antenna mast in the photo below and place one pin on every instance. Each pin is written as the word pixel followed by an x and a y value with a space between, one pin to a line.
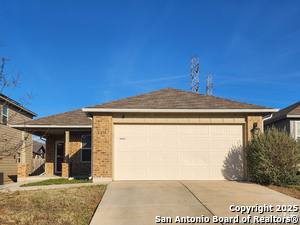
pixel 209 85
pixel 195 74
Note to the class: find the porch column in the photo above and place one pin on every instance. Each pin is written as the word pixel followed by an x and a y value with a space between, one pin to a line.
pixel 23 167
pixel 65 164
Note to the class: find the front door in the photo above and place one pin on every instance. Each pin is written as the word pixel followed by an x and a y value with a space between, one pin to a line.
pixel 59 155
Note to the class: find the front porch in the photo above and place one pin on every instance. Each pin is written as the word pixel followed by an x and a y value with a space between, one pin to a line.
pixel 68 154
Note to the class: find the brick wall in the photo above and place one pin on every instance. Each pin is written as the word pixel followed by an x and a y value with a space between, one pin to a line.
pixel 253 118
pixel 23 170
pixel 65 170
pixel 102 145
pixel 77 167
pixel 50 153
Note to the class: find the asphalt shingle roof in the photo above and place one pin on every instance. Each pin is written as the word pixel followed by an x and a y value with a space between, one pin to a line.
pixel 171 98
pixel 290 110
pixel 75 117
pixel 168 98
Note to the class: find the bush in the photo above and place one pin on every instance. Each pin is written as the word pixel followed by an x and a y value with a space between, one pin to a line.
pixel 273 157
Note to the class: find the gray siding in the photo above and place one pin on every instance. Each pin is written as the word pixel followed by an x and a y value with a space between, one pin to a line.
pixel 280 124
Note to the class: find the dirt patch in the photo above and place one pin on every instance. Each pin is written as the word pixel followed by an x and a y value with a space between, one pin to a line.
pixel 74 205
pixel 287 191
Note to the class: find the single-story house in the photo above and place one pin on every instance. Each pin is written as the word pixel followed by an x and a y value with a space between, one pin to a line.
pixel 288 118
pixel 167 134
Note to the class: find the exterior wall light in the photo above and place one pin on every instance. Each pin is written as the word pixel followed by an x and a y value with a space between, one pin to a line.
pixel 255 129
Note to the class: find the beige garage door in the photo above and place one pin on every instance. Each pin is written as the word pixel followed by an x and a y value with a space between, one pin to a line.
pixel 178 152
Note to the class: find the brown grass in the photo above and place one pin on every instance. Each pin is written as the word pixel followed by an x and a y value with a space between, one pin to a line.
pixel 293 192
pixel 74 205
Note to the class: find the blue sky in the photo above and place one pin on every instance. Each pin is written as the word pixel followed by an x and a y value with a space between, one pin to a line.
pixel 73 54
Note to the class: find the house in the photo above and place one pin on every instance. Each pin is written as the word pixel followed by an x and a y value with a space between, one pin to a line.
pixel 167 134
pixel 38 150
pixel 288 118
pixel 13 150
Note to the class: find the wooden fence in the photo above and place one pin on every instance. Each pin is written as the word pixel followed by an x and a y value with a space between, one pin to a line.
pixel 38 166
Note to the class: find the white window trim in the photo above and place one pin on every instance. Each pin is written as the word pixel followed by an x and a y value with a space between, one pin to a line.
pixel 3 115
pixel 85 148
pixel 19 159
pixel 296 133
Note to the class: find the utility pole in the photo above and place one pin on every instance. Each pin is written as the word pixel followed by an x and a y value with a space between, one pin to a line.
pixel 195 74
pixel 209 85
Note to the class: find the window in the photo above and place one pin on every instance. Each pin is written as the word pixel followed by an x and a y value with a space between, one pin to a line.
pixel 19 157
pixel 4 114
pixel 86 148
pixel 298 131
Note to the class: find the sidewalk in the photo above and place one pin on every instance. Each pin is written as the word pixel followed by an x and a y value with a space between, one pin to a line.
pixel 16 186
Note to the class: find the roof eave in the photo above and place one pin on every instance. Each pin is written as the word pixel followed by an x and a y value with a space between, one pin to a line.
pixel 19 107
pixel 49 126
pixel 94 110
pixel 293 116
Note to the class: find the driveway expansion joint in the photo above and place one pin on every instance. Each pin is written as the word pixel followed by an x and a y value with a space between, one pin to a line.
pixel 198 199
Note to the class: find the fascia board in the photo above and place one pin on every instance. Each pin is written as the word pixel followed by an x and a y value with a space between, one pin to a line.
pixel 93 110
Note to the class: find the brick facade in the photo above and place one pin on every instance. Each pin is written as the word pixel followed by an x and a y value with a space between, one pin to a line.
pixel 77 168
pixel 23 170
pixel 102 146
pixel 65 170
pixel 253 118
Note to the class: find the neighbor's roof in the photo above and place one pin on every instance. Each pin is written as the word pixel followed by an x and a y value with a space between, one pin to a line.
pixel 37 146
pixel 175 99
pixel 73 118
pixel 160 100
pixel 16 104
pixel 288 112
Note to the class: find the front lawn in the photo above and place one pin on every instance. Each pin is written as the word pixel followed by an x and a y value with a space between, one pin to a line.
pixel 290 190
pixel 57 181
pixel 74 205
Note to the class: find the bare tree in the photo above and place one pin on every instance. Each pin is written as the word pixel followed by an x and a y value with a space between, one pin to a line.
pixel 8 82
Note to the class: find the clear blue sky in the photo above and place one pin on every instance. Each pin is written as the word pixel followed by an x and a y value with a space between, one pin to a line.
pixel 75 54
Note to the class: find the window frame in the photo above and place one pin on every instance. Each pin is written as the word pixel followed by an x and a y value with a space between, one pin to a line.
pixel 4 106
pixel 83 148
pixel 19 157
pixel 297 127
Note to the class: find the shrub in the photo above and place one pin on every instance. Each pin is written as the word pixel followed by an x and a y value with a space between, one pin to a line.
pixel 273 157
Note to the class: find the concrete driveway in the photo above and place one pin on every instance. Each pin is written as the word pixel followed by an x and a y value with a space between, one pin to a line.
pixel 149 202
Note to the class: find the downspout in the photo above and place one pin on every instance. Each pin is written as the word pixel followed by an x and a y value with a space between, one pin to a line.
pixel 266 118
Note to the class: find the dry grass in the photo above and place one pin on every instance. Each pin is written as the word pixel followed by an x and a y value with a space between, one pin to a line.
pixel 74 205
pixel 290 191
pixel 57 181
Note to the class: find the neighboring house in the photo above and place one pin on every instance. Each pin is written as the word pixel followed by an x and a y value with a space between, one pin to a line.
pixel 287 118
pixel 167 134
pixel 38 151
pixel 12 112
pixel 38 161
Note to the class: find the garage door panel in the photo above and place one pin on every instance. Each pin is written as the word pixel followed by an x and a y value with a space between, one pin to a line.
pixel 176 152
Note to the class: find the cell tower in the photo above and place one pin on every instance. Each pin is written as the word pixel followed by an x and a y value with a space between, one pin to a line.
pixel 195 74
pixel 209 85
